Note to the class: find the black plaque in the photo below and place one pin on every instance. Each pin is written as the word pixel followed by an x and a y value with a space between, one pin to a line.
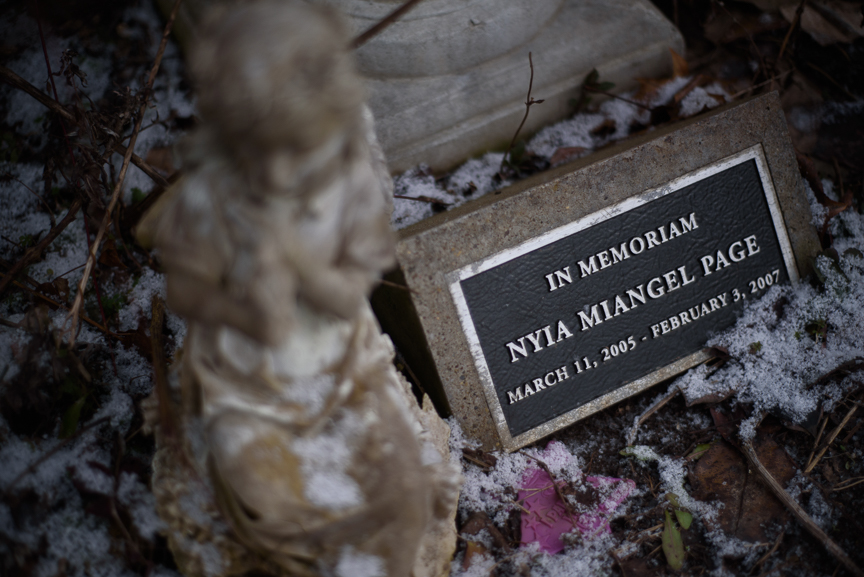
pixel 568 322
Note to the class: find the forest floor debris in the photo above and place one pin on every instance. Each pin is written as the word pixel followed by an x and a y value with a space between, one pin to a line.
pixel 786 385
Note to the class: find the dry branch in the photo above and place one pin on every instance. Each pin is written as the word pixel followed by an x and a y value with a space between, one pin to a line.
pixel 115 196
pixel 631 435
pixel 384 23
pixel 795 21
pixel 33 253
pixel 831 438
pixel 32 467
pixel 796 509
pixel 14 80
pixel 847 484
pixel 770 552
pixel 55 304
pixel 160 377
pixel 529 101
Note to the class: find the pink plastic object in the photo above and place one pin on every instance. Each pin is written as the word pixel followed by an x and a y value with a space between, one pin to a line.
pixel 545 518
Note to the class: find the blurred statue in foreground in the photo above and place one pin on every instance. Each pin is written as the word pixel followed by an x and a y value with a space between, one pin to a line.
pixel 299 449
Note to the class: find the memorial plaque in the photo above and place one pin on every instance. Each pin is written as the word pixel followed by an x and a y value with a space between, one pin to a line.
pixel 560 298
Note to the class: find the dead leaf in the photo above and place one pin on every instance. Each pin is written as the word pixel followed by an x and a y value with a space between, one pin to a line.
pixel 162 159
pixel 673 548
pixel 566 154
pixel 478 456
pixel 695 82
pixel 648 87
pixel 479 521
pixel 138 339
pixel 472 549
pixel 605 128
pixel 109 255
pixel 710 398
pixel 679 65
pixel 828 21
pixel 723 475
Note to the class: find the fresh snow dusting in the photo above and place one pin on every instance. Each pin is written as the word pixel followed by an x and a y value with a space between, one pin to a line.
pixel 785 341
pixel 802 331
pixel 356 564
pixel 73 480
pixel 325 460
pixel 478 176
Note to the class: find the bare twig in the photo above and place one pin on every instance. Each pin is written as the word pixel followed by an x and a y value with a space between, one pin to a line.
pixel 753 46
pixel 422 198
pixel 770 551
pixel 795 21
pixel 617 97
pixel 796 510
pixel 831 438
pixel 847 484
pixel 854 430
pixel 54 303
pixel 529 101
pixel 631 435
pixel 818 438
pixel 831 79
pixel 384 23
pixel 33 253
pixel 478 462
pixel 761 84
pixel 25 277
pixel 395 285
pixel 14 80
pixel 55 450
pixel 98 293
pixel 166 416
pixel 115 196
pixel 567 506
pixel 33 192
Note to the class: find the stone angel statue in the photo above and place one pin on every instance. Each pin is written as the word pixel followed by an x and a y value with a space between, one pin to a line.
pixel 301 451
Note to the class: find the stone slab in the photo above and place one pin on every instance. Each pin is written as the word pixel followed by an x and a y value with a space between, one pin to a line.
pixel 443 119
pixel 448 80
pixel 427 325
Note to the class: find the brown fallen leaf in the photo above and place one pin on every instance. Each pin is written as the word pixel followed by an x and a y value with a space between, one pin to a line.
pixel 476 523
pixel 566 154
pixel 710 398
pixel 679 65
pixel 109 255
pixel 723 475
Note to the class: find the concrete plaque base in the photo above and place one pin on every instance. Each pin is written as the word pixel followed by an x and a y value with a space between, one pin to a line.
pixel 579 287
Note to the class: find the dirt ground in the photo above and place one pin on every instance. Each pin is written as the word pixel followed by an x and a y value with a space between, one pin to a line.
pixel 54 397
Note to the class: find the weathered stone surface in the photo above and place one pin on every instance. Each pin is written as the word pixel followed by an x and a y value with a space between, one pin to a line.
pixel 448 79
pixel 430 250
pixel 441 114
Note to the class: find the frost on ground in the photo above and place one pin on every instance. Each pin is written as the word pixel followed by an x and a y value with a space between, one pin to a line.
pixel 580 135
pixel 781 349
pixel 75 469
pixel 75 486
